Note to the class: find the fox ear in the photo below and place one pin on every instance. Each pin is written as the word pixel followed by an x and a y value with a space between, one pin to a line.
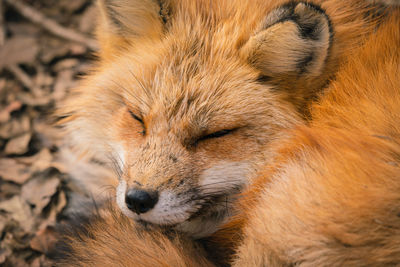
pixel 294 40
pixel 124 19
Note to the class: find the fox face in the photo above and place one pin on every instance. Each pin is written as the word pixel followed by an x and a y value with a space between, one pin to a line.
pixel 188 96
pixel 188 145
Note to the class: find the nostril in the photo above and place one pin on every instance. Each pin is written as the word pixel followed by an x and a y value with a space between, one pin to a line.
pixel 140 201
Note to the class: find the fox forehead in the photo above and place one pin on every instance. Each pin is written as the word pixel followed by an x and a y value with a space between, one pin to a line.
pixel 193 89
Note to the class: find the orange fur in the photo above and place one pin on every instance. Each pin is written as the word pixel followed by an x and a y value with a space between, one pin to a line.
pixel 194 71
pixel 173 73
pixel 331 198
pixel 109 238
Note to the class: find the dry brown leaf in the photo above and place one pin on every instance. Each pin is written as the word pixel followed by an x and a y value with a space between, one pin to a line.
pixel 11 170
pixel 58 206
pixel 60 166
pixel 8 190
pixel 36 262
pixel 18 49
pixel 72 5
pixel 5 112
pixel 2 223
pixel 22 28
pixel 41 262
pixel 63 82
pixel 15 127
pixel 39 190
pixel 4 253
pixel 88 20
pixel 68 63
pixel 49 135
pixel 61 202
pixel 43 79
pixel 15 261
pixel 18 210
pixel 77 49
pixel 54 48
pixel 44 239
pixel 18 145
pixel 30 100
pixel 39 162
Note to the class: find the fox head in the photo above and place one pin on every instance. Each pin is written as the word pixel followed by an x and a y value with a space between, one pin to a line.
pixel 188 96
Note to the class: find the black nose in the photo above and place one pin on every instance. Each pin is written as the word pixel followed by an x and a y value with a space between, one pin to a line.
pixel 140 201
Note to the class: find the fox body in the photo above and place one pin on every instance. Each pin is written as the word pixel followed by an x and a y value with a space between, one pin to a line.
pixel 187 96
pixel 329 196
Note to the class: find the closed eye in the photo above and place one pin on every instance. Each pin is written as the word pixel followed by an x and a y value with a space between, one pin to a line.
pixel 215 135
pixel 133 115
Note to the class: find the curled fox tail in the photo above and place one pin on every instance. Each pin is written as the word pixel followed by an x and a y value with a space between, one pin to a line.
pixel 108 238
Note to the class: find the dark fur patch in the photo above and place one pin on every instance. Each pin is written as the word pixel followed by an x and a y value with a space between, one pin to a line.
pixel 303 64
pixel 173 158
pixel 308 29
pixel 164 12
pixel 263 78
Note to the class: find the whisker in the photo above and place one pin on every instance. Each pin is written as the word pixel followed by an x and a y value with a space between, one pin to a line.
pixel 116 167
pixel 129 92
pixel 230 182
pixel 145 89
pixel 109 189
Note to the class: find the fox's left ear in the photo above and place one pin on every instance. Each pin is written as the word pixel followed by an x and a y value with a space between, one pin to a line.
pixel 121 20
pixel 293 40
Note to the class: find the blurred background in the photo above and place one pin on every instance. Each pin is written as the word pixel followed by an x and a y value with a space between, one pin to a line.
pixel 45 46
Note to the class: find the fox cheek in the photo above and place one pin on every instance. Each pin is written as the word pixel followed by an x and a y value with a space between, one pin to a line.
pixel 224 177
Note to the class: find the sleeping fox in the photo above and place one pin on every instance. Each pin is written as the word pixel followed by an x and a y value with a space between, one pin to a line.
pixel 188 96
pixel 330 196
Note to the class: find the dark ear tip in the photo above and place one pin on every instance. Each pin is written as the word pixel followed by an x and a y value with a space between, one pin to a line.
pixel 311 6
pixel 306 15
pixel 304 33
pixel 303 10
pixel 134 18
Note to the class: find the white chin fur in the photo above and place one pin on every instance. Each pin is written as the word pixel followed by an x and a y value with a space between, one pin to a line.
pixel 168 210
